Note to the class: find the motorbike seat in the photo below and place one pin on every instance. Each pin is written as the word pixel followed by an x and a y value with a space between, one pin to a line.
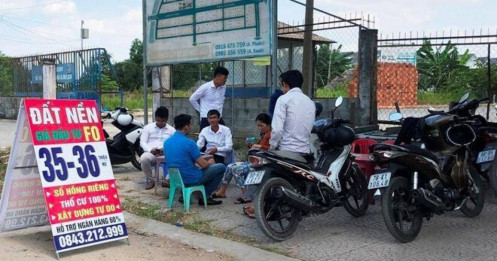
pixel 420 151
pixel 295 158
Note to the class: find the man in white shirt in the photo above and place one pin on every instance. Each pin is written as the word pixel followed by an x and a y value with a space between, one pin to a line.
pixel 217 138
pixel 152 142
pixel 211 96
pixel 293 116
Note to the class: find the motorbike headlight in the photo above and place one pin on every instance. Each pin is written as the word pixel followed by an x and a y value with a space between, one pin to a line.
pixel 256 161
pixel 387 154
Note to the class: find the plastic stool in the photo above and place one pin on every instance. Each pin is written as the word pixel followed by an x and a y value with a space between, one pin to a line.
pixel 176 182
pixel 362 146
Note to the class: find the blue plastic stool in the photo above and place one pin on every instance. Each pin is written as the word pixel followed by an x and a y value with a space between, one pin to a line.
pixel 176 182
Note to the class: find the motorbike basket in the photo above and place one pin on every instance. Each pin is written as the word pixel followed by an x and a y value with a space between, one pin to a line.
pixel 460 134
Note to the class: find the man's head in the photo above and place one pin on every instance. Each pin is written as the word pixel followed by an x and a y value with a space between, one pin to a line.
pixel 161 116
pixel 291 79
pixel 220 76
pixel 213 116
pixel 183 123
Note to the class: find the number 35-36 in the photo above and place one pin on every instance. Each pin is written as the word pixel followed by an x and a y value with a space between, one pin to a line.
pixel 57 167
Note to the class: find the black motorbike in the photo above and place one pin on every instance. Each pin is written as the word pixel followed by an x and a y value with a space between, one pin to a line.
pixel 485 145
pixel 291 186
pixel 418 183
pixel 125 146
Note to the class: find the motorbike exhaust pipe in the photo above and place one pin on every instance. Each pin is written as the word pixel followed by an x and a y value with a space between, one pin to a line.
pixel 429 200
pixel 294 198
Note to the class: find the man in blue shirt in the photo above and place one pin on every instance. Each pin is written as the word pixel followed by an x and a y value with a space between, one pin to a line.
pixel 182 152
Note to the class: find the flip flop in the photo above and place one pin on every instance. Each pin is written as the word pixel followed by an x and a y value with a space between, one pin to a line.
pixel 242 201
pixel 214 195
pixel 245 211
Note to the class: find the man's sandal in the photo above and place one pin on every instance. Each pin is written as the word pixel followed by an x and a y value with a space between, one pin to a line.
pixel 242 201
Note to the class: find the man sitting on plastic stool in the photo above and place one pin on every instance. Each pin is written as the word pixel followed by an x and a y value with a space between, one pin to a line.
pixel 182 152
pixel 152 140
pixel 216 138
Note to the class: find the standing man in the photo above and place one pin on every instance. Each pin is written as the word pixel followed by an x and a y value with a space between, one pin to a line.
pixel 152 140
pixel 272 101
pixel 211 96
pixel 182 152
pixel 216 138
pixel 293 115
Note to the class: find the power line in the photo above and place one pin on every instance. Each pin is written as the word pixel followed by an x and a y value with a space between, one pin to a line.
pixel 31 6
pixel 45 33
pixel 17 27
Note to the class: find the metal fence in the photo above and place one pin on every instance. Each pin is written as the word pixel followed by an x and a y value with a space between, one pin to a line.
pixel 335 41
pixel 78 75
pixel 420 71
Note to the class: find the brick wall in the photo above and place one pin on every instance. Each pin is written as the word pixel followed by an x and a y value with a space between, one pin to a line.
pixel 397 82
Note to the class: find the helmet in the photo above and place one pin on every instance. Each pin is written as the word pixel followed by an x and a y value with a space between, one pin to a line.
pixel 124 119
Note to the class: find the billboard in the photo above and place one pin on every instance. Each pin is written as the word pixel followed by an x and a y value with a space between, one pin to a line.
pixel 206 30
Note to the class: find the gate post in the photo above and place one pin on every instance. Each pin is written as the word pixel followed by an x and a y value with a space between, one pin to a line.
pixel 49 78
pixel 367 78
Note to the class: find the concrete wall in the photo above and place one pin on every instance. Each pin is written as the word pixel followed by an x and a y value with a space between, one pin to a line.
pixel 245 111
pixel 9 107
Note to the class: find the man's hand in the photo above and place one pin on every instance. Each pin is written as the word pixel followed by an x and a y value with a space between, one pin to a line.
pixel 155 151
pixel 212 151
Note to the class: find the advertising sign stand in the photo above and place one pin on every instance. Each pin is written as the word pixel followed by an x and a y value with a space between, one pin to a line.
pixel 64 148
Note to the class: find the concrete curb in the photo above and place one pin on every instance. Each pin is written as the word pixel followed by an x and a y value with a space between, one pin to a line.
pixel 237 250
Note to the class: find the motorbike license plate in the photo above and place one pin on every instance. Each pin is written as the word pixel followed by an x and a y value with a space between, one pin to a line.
pixel 485 156
pixel 254 177
pixel 379 180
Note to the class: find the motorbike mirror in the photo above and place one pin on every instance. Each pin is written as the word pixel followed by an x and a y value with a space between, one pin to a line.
pixel 464 98
pixel 338 101
pixel 395 116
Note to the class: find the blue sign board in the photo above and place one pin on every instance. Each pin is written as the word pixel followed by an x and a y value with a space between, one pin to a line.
pixel 64 73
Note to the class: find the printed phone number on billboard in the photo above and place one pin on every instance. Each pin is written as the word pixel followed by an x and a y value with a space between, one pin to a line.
pixel 239 48
pixel 76 239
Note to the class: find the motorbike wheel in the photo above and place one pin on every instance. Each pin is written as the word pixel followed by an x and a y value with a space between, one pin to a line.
pixel 356 196
pixel 136 151
pixel 473 206
pixel 401 216
pixel 276 218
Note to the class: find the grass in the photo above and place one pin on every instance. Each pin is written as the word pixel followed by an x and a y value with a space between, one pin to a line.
pixel 191 222
pixel 4 158
pixel 434 98
pixel 134 99
pixel 340 90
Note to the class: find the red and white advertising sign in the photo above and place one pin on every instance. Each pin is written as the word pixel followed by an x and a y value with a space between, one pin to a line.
pixel 81 196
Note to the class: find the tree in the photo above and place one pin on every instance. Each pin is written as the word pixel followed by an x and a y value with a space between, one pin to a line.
pixel 439 69
pixel 331 63
pixel 130 71
pixel 6 75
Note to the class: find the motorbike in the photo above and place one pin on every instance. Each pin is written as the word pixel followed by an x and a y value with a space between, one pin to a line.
pixel 291 186
pixel 485 145
pixel 419 182
pixel 125 146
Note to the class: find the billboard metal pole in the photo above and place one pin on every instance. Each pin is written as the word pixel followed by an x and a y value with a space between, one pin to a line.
pixel 145 83
pixel 274 52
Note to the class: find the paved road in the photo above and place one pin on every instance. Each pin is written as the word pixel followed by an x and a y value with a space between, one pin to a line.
pixel 336 235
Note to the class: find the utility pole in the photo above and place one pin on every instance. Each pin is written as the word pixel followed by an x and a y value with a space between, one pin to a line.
pixel 307 67
pixel 84 33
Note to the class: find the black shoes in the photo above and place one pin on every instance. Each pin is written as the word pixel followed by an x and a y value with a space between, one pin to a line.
pixel 210 201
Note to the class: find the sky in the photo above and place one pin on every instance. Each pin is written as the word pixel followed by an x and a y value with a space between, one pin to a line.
pixel 30 27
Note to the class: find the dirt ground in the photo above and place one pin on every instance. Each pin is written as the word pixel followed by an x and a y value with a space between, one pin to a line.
pixel 37 244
